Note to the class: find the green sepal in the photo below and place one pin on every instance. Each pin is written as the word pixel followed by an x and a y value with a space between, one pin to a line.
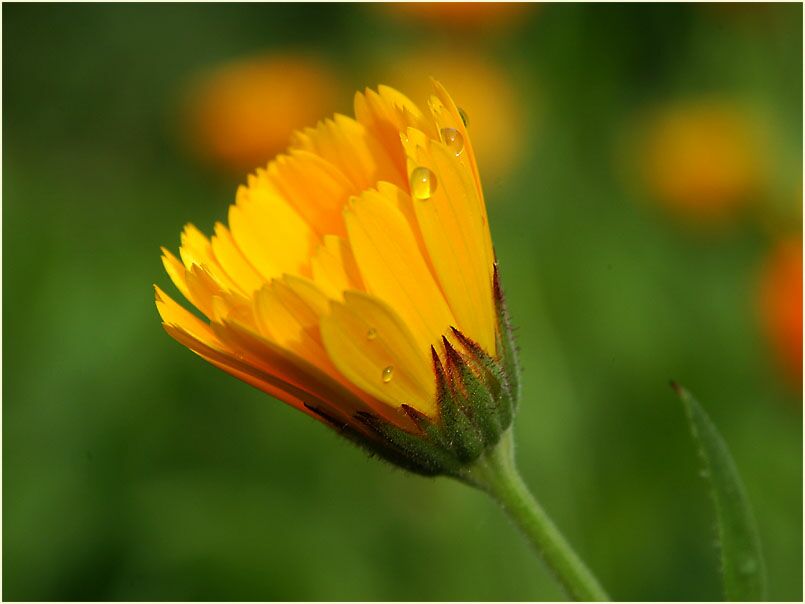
pixel 376 447
pixel 494 379
pixel 428 427
pixel 455 417
pixel 507 347
pixel 419 452
pixel 479 398
pixel 507 411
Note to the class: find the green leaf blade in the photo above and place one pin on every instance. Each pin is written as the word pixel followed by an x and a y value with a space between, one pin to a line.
pixel 742 564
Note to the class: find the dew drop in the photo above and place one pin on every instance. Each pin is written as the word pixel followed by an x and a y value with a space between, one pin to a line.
pixel 464 117
pixel 453 139
pixel 371 334
pixel 423 183
pixel 387 373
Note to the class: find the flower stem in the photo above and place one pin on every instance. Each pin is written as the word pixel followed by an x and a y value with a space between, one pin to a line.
pixel 496 473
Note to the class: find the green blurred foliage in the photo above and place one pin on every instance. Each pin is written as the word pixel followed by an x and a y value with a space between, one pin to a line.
pixel 131 470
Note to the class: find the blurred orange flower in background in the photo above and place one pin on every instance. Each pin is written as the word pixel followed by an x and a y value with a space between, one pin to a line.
pixel 462 15
pixel 780 303
pixel 242 113
pixel 703 160
pixel 485 91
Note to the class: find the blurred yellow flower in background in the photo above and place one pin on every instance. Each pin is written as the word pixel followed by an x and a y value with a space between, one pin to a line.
pixel 780 304
pixel 352 270
pixel 703 160
pixel 493 105
pixel 242 113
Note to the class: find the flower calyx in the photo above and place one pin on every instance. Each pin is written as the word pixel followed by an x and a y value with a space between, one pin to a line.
pixel 477 396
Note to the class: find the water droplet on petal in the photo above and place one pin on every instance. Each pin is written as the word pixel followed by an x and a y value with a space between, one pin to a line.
pixel 387 373
pixel 371 334
pixel 464 117
pixel 423 183
pixel 453 139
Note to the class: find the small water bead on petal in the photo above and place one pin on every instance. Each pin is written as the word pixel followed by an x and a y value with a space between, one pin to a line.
pixel 423 183
pixel 453 139
pixel 464 117
pixel 387 373
pixel 371 334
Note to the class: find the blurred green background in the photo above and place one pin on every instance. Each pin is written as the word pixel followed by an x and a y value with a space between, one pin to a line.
pixel 132 470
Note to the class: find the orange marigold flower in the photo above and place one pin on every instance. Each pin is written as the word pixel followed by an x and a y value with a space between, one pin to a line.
pixel 356 281
pixel 242 113
pixel 780 302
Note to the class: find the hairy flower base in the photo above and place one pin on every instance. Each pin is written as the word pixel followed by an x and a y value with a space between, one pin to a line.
pixel 477 397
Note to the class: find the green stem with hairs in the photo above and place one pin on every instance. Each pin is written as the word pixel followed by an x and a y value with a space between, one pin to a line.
pixel 496 473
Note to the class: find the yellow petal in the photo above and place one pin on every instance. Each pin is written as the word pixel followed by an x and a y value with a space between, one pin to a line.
pixel 393 268
pixel 289 314
pixel 196 249
pixel 203 288
pixel 303 379
pixel 269 232
pixel 233 262
pixel 334 268
pixel 315 187
pixel 200 288
pixel 230 307
pixel 308 291
pixel 287 319
pixel 261 370
pixel 372 346
pixel 447 115
pixel 386 113
pixel 174 314
pixel 402 200
pixel 349 146
pixel 212 299
pixel 455 235
pixel 176 271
